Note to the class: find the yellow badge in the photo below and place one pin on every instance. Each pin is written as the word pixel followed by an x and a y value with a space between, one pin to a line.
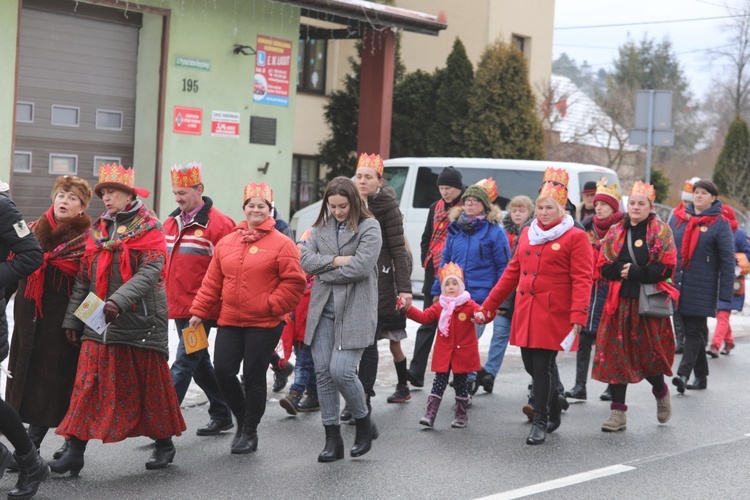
pixel 555 247
pixel 198 233
pixel 441 225
pixel 253 249
pixel 704 229
pixel 638 243
pixel 121 230
pixel 462 317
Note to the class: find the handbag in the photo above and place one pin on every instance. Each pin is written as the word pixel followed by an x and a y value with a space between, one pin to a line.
pixel 652 302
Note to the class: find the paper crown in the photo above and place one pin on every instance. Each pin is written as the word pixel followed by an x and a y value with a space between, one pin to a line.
pixel 555 191
pixel 258 190
pixel 451 269
pixel 641 187
pixel 687 189
pixel 116 176
pixel 556 175
pixel 490 186
pixel 187 176
pixel 603 188
pixel 374 162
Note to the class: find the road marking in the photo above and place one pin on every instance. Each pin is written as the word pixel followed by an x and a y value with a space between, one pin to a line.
pixel 560 483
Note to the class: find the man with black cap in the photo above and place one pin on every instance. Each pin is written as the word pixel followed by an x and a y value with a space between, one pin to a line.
pixel 450 184
pixel 586 207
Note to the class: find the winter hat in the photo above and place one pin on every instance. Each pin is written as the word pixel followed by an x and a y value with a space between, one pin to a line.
pixel 75 185
pixel 687 189
pixel 452 270
pixel 728 213
pixel 450 177
pixel 116 176
pixel 589 187
pixel 479 193
pixel 607 194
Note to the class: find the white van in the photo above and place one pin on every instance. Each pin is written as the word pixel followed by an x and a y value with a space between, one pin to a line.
pixel 415 182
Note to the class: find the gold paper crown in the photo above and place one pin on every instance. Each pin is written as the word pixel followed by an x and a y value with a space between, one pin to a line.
pixel 490 186
pixel 117 173
pixel 558 175
pixel 554 191
pixel 187 176
pixel 641 187
pixel 613 190
pixel 451 269
pixel 688 187
pixel 374 162
pixel 259 190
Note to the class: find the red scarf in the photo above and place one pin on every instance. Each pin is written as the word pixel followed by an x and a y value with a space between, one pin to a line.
pixel 601 226
pixel 680 216
pixel 440 225
pixel 66 257
pixel 692 235
pixel 253 235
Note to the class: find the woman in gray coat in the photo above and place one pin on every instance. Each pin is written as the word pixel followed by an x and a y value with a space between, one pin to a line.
pixel 342 252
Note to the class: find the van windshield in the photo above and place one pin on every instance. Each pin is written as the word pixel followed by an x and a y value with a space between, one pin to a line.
pixel 396 178
pixel 510 183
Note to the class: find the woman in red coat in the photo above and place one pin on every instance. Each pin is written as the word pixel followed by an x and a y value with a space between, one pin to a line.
pixel 551 271
pixel 456 345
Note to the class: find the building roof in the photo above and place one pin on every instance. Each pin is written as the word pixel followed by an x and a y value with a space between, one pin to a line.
pixel 580 120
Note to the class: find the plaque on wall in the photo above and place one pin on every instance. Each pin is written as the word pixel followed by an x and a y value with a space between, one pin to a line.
pixel 262 130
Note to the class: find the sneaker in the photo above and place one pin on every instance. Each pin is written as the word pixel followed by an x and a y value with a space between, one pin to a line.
pixel 401 395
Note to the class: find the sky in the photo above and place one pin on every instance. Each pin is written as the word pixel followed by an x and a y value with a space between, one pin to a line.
pixel 598 46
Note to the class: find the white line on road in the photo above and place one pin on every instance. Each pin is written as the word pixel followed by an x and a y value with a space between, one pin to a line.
pixel 560 483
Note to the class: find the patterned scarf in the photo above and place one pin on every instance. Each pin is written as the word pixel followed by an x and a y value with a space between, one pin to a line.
pixel 538 235
pixel 692 235
pixel 661 249
pixel 66 257
pixel 470 224
pixel 449 305
pixel 440 225
pixel 143 234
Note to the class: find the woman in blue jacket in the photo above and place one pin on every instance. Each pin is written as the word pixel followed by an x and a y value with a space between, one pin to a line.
pixel 479 245
pixel 704 274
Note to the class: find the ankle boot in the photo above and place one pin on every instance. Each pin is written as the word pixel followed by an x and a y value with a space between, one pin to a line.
pixel 72 459
pixel 32 471
pixel 618 420
pixel 555 415
pixel 162 455
pixel 577 392
pixel 461 413
pixel 334 448
pixel 433 404
pixel 538 429
pixel 366 432
pixel 247 443
pixel 6 457
pixel 61 450
pixel 238 434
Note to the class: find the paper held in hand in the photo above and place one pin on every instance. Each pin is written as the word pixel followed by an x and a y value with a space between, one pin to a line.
pixel 91 312
pixel 195 338
pixel 567 342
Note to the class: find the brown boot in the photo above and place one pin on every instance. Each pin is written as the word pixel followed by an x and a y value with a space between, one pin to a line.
pixel 617 419
pixel 290 402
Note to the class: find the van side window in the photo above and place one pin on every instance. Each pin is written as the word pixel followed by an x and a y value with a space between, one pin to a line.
pixel 396 178
pixel 585 177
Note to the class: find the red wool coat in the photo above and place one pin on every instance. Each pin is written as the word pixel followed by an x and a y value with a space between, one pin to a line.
pixel 459 351
pixel 553 282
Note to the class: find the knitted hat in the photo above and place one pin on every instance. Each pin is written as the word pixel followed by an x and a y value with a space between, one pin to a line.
pixel 116 176
pixel 450 177
pixel 607 194
pixel 589 188
pixel 74 184
pixel 687 189
pixel 479 193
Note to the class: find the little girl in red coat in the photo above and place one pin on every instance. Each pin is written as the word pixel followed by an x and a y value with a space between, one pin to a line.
pixel 456 345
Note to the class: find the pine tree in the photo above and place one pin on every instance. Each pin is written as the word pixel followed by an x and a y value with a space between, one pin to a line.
pixel 661 184
pixel 502 119
pixel 732 171
pixel 413 110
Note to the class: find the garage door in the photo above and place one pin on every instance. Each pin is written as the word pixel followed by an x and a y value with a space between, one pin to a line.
pixel 76 97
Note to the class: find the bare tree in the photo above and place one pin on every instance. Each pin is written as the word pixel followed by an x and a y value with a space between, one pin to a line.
pixel 735 88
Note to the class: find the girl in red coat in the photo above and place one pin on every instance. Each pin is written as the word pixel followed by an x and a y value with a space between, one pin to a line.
pixel 456 345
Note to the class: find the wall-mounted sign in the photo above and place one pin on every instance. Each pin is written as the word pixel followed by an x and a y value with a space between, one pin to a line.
pixel 192 62
pixel 225 124
pixel 273 66
pixel 187 120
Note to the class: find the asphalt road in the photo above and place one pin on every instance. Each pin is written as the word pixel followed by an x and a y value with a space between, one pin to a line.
pixel 702 452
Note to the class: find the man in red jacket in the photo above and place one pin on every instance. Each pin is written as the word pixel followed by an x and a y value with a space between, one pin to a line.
pixel 192 231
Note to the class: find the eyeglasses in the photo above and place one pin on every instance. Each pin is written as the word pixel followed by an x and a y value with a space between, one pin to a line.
pixel 471 201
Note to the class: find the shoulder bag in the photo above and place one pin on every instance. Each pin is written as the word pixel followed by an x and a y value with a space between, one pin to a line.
pixel 652 302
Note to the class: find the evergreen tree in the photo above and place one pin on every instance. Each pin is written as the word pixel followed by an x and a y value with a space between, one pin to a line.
pixel 732 171
pixel 413 110
pixel 661 184
pixel 502 114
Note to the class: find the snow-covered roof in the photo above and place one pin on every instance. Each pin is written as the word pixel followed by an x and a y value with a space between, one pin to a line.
pixel 579 120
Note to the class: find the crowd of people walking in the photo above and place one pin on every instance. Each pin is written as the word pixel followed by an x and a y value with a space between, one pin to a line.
pixel 605 282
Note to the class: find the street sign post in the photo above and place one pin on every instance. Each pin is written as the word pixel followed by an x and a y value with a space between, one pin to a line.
pixel 653 122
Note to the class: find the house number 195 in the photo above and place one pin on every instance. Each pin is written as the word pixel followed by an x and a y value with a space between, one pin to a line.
pixel 189 85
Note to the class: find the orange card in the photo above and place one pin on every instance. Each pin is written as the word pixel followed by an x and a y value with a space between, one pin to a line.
pixel 195 338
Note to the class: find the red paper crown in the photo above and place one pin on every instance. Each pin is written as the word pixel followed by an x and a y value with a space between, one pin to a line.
pixel 558 175
pixel 187 176
pixel 555 191
pixel 641 187
pixel 688 186
pixel 118 177
pixel 374 162
pixel 451 269
pixel 259 190
pixel 490 186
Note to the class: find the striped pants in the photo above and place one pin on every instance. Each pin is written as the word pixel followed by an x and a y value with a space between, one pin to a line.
pixel 336 371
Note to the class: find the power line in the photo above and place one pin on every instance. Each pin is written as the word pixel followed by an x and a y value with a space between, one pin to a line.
pixel 643 23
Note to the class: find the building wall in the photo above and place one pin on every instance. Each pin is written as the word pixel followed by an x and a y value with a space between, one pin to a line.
pixel 8 42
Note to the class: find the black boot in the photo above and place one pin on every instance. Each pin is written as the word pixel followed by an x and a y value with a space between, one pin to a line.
pixel 247 443
pixel 72 460
pixel 680 382
pixel 555 415
pixel 538 429
pixel 238 434
pixel 32 471
pixel 577 392
pixel 334 449
pixel 36 434
pixel 698 383
pixel 606 395
pixel 366 432
pixel 61 450
pixel 162 455
pixel 6 457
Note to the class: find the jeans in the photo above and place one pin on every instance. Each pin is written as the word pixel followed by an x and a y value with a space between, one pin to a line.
pixel 696 338
pixel 304 370
pixel 498 344
pixel 198 366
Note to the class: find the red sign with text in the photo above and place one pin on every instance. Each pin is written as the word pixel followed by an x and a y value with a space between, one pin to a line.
pixel 187 120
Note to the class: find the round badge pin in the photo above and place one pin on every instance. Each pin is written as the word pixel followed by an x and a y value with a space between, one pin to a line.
pixel 121 230
pixel 198 233
pixel 704 229
pixel 555 246
pixel 253 249
pixel 462 317
pixel 638 243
